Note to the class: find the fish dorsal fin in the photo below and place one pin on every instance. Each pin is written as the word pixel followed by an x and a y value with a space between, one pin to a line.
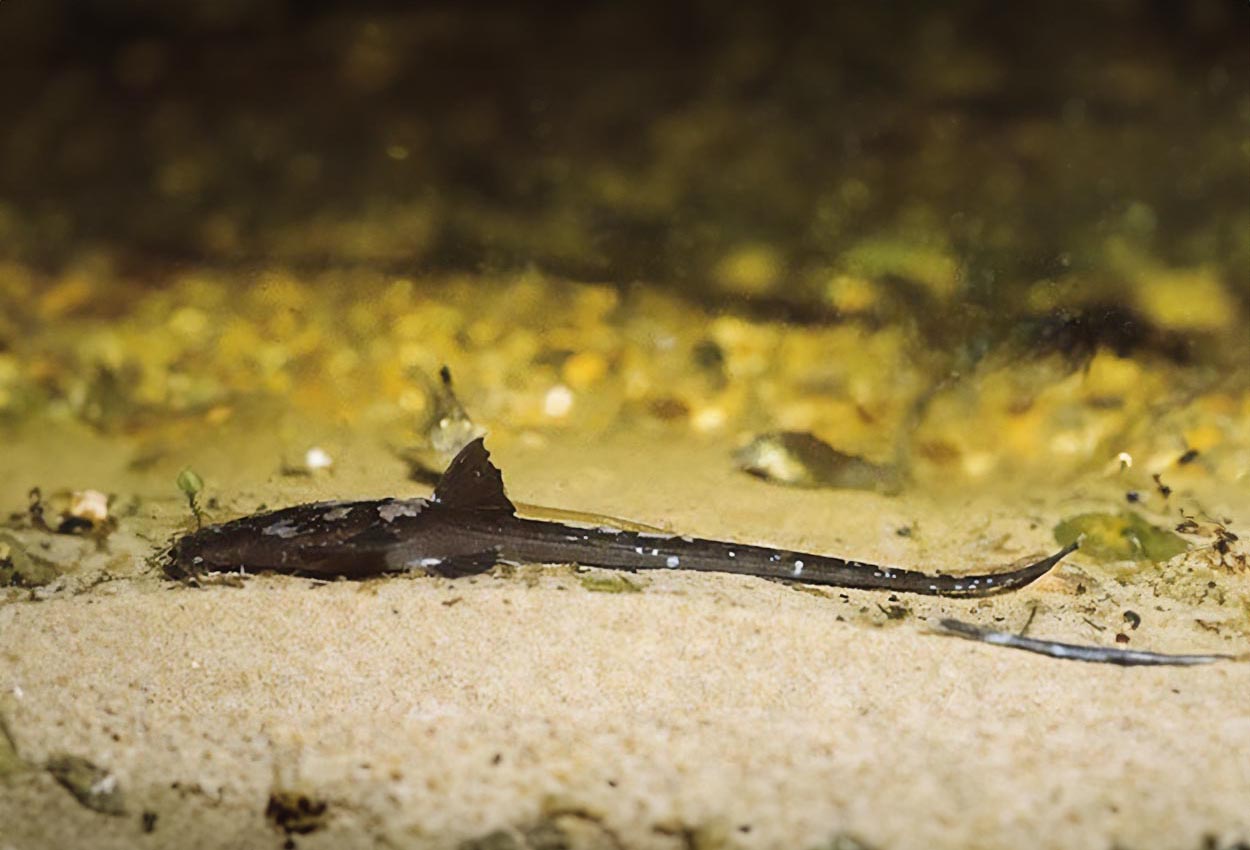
pixel 472 482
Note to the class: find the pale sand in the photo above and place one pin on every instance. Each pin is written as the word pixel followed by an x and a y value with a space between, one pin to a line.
pixel 705 711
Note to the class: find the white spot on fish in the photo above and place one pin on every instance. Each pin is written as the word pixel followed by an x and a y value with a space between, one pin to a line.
pixel 798 568
pixel 430 562
pixel 283 528
pixel 336 514
pixel 390 511
pixel 672 562
pixel 732 553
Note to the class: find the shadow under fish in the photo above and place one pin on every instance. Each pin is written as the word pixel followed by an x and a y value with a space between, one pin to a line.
pixel 470 525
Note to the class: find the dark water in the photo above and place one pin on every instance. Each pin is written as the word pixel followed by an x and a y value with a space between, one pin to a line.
pixel 984 166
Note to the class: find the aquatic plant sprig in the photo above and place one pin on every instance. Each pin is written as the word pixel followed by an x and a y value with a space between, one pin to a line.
pixel 191 485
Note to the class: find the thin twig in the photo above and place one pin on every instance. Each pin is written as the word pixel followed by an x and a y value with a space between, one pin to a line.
pixel 1078 652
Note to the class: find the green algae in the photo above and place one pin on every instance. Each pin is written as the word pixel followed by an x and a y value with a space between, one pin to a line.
pixel 11 762
pixel 19 568
pixel 1124 536
pixel 608 584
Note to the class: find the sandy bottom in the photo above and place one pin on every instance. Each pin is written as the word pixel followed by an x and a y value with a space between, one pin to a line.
pixel 525 710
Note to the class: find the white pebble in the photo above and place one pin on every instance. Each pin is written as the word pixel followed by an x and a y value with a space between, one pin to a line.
pixel 91 505
pixel 317 458
pixel 558 401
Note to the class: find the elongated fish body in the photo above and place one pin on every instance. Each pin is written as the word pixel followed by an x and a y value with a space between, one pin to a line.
pixel 470 525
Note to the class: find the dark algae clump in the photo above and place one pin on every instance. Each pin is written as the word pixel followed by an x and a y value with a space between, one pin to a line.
pixel 296 813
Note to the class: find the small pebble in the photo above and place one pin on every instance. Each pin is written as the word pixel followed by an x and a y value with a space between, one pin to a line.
pixel 317 459
pixel 584 369
pixel 558 402
pixel 89 505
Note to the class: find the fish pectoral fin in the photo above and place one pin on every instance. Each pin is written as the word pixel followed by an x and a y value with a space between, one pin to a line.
pixel 473 483
pixel 459 566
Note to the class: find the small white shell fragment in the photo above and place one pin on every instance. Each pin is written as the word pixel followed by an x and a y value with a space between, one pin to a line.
pixel 558 402
pixel 90 505
pixel 317 458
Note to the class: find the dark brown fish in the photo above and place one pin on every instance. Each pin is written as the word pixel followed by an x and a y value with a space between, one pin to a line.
pixel 470 525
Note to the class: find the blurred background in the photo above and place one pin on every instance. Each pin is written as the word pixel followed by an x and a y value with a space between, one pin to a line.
pixel 964 239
